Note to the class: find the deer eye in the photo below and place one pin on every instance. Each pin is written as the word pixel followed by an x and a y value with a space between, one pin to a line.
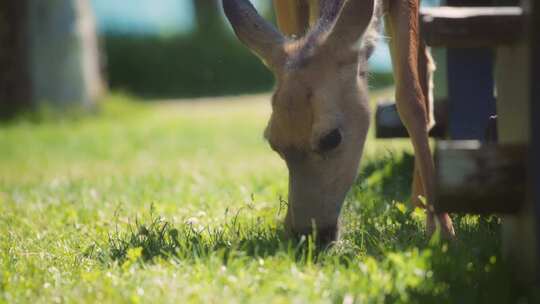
pixel 330 141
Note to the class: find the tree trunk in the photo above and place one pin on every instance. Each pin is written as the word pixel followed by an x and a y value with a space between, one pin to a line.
pixel 48 54
pixel 64 56
pixel 14 77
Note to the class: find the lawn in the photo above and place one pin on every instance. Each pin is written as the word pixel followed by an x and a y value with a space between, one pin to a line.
pixel 182 202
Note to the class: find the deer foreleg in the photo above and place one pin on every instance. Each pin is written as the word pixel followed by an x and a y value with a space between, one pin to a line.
pixel 412 104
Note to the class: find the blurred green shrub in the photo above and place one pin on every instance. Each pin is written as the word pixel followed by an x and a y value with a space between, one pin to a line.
pixel 189 66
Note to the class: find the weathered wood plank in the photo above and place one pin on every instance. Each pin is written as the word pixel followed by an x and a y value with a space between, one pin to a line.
pixel 466 27
pixel 480 179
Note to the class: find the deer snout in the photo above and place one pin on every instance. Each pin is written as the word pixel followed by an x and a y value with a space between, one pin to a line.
pixel 315 200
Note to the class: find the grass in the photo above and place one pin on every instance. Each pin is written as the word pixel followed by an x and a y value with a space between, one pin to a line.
pixel 177 203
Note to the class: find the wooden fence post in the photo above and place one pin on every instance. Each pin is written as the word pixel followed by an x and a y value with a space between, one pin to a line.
pixel 514 127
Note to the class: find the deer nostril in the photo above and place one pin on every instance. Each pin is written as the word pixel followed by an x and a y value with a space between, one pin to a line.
pixel 330 141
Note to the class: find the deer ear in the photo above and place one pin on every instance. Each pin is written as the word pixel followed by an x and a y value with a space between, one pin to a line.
pixel 255 32
pixel 352 21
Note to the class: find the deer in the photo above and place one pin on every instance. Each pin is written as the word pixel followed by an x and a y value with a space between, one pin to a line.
pixel 320 105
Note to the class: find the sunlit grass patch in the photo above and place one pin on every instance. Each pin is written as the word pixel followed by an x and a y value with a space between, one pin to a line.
pixel 184 202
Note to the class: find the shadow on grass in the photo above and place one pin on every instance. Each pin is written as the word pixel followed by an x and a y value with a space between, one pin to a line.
pixel 469 270
pixel 158 238
pixel 386 228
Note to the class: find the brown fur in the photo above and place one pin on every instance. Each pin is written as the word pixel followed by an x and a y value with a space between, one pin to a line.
pixel 322 90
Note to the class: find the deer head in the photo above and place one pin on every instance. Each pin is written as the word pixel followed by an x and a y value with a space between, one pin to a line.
pixel 320 114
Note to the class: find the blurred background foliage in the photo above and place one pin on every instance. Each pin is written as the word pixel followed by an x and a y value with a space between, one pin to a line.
pixel 185 49
pixel 188 66
pixel 67 53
